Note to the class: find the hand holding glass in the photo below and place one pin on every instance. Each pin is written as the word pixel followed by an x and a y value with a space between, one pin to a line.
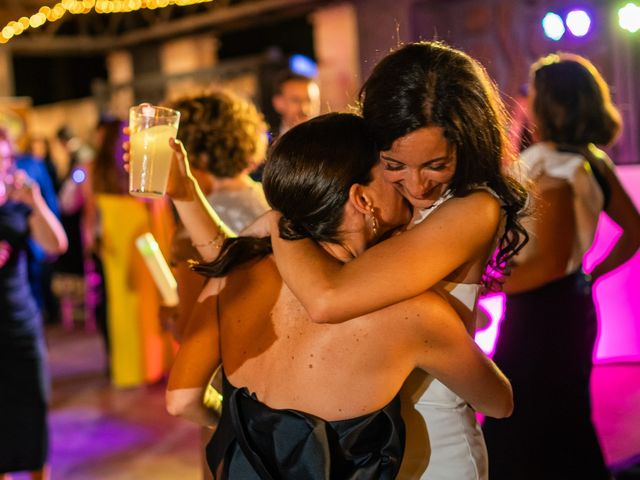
pixel 150 127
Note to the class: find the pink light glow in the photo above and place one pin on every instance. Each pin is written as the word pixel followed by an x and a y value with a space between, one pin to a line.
pixel 493 307
pixel 617 295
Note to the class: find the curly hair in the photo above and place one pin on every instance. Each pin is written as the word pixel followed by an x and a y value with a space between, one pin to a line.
pixel 220 131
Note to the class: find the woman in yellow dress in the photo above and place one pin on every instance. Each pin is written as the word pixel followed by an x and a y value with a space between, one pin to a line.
pixel 140 351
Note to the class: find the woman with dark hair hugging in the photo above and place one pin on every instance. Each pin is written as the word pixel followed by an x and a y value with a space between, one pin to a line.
pixel 304 400
pixel 438 127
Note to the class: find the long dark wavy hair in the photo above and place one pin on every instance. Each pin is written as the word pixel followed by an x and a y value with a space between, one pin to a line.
pixel 429 84
pixel 307 178
pixel 572 104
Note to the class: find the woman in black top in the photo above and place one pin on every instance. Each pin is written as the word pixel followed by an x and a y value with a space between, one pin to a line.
pixel 23 215
pixel 310 401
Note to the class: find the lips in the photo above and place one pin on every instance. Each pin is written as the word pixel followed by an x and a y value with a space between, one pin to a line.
pixel 432 194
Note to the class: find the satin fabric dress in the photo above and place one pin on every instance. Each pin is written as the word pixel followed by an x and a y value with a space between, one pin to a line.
pixel 444 438
pixel 254 441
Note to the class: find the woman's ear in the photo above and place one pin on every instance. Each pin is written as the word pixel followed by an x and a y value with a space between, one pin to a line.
pixel 359 198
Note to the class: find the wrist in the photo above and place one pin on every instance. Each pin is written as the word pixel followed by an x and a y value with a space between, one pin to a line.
pixel 36 203
pixel 187 192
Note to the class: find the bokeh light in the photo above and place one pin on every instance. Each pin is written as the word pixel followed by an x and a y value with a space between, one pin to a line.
pixel 629 17
pixel 553 26
pixel 578 22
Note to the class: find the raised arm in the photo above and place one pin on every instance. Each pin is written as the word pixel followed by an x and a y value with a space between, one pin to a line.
pixel 45 227
pixel 197 359
pixel 394 270
pixel 206 229
pixel 445 349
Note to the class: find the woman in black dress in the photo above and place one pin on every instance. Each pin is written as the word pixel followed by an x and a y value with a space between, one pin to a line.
pixel 549 331
pixel 23 403
pixel 310 401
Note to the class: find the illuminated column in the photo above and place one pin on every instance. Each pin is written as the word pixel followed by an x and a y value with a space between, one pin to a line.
pixel 185 56
pixel 120 70
pixel 6 73
pixel 335 35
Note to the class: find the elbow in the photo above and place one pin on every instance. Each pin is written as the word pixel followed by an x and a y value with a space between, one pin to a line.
pixel 62 245
pixel 503 407
pixel 507 406
pixel 319 314
pixel 320 310
pixel 57 247
pixel 175 404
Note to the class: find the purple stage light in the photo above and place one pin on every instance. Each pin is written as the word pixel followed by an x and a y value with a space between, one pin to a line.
pixel 78 175
pixel 579 22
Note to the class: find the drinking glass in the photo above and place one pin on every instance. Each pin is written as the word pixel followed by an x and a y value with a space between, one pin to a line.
pixel 151 127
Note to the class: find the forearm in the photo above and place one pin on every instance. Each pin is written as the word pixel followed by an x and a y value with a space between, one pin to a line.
pixel 206 229
pixel 500 404
pixel 396 269
pixel 46 229
pixel 625 248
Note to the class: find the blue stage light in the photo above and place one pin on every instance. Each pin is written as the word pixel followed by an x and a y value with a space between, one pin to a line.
pixel 303 65
pixel 553 26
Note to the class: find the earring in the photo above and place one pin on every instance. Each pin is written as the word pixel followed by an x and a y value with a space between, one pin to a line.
pixel 374 222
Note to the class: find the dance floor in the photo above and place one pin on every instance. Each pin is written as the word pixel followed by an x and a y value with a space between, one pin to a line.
pixel 102 433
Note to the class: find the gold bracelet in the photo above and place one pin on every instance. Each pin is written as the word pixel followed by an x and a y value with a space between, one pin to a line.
pixel 213 242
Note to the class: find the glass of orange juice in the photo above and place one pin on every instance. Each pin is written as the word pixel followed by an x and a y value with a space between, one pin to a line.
pixel 150 127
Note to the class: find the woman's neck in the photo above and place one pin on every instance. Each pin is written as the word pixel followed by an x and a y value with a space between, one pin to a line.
pixel 351 245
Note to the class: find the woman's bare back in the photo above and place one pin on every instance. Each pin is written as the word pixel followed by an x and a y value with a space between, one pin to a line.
pixel 340 371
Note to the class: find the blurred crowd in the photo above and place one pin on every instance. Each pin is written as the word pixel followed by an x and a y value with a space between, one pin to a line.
pixel 96 279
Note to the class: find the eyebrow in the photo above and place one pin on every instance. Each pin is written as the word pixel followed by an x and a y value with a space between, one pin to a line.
pixel 437 159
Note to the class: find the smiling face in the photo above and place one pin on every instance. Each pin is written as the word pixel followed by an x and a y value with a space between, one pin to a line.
pixel 420 166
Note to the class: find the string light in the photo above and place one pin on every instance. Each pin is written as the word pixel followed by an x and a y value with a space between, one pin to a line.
pixel 81 7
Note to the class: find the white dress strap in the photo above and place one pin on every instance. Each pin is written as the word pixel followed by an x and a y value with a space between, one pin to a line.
pixel 425 212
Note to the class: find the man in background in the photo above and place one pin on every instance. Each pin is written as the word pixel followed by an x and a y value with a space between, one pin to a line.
pixel 296 99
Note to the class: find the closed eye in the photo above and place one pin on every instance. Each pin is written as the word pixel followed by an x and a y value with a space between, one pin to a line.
pixel 393 167
pixel 438 167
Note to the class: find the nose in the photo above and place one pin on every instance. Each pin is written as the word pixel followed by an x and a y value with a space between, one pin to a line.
pixel 305 109
pixel 416 183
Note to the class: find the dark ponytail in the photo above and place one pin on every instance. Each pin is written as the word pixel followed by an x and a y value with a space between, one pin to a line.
pixel 233 253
